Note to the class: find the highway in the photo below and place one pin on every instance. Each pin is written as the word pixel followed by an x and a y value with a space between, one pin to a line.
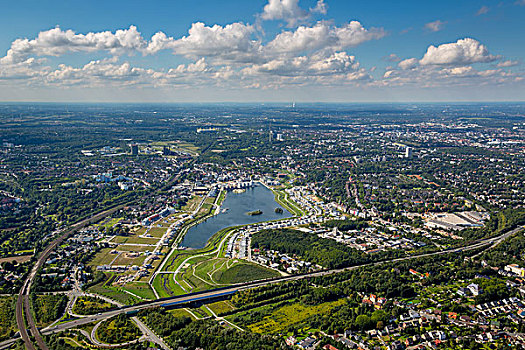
pixel 23 298
pixel 23 304
pixel 215 293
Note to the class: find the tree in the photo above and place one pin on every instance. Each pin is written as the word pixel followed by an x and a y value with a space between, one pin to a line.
pixel 362 322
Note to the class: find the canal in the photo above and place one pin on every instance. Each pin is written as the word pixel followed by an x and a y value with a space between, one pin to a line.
pixel 238 204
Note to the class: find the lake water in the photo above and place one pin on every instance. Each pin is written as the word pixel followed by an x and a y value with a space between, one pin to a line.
pixel 255 198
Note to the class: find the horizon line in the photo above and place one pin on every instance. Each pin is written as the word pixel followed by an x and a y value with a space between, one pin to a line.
pixel 260 102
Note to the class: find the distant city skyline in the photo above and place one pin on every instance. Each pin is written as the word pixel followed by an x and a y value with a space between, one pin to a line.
pixel 262 51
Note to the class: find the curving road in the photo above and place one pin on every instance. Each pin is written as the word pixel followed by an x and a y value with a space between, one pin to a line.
pixel 211 294
pixel 23 305
pixel 23 296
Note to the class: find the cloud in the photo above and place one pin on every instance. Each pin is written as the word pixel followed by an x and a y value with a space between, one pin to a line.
pixel 449 65
pixel 520 2
pixel 24 70
pixel 320 7
pixel 463 52
pixel 203 40
pixel 97 73
pixel 408 63
pixel 483 10
pixel 392 58
pixel 235 55
pixel 314 53
pixel 508 63
pixel 323 35
pixel 430 77
pixel 435 26
pixel 317 64
pixel 55 42
pixel 290 11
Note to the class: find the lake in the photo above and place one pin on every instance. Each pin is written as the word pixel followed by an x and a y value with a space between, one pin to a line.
pixel 238 204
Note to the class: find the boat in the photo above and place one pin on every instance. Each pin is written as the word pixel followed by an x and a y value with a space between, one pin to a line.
pixel 255 212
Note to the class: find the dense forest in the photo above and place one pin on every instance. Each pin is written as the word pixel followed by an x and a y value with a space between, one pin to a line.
pixel 322 251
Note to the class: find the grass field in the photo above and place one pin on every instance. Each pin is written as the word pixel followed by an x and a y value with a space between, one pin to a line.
pixel 222 197
pixel 125 259
pixel 141 289
pixel 282 198
pixel 134 240
pixel 131 248
pixel 243 272
pixel 280 319
pixel 106 289
pixel 139 230
pixel 157 231
pixel 222 271
pixel 192 204
pixel 220 307
pixel 166 286
pixel 181 313
pixel 208 272
pixel 104 257
pixel 110 222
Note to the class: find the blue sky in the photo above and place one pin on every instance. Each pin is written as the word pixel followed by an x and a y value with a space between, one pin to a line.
pixel 274 50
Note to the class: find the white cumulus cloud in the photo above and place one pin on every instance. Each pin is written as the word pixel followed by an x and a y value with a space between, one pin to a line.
pixel 463 52
pixel 409 63
pixel 232 40
pixel 290 11
pixel 323 35
pixel 508 63
pixel 55 42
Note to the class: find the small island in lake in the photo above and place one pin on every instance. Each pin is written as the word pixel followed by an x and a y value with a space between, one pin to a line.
pixel 279 210
pixel 255 212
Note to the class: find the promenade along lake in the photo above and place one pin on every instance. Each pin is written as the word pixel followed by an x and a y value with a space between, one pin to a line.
pixel 238 204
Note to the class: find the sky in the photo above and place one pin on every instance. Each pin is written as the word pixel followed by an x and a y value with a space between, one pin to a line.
pixel 262 51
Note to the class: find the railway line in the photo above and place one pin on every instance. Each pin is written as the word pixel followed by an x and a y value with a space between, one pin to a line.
pixel 23 305
pixel 225 291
